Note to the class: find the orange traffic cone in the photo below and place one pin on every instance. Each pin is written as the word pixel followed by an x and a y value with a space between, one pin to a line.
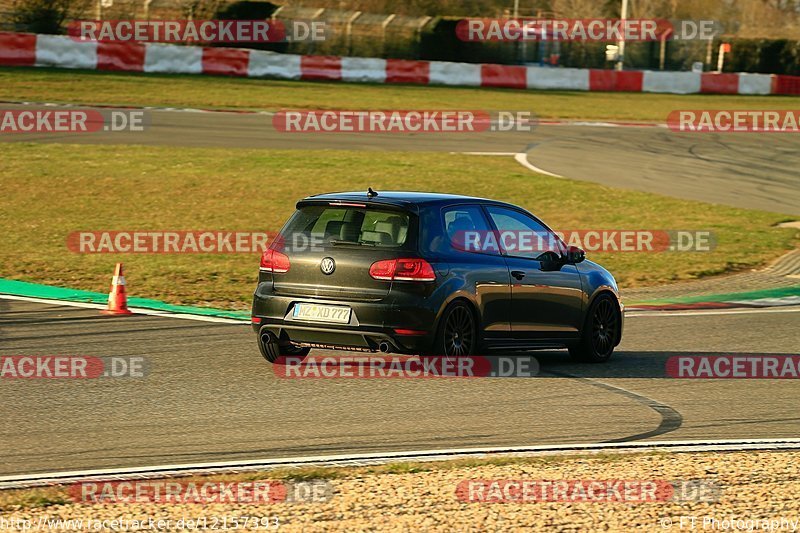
pixel 117 300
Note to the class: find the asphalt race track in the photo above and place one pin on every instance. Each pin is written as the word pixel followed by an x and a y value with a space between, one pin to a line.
pixel 737 169
pixel 209 396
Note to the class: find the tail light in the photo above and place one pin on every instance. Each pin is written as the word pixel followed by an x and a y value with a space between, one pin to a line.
pixel 274 261
pixel 402 270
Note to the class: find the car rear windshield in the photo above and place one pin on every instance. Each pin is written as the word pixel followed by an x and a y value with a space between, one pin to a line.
pixel 343 225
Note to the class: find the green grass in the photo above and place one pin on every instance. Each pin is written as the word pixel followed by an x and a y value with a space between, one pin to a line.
pixel 51 190
pixel 90 87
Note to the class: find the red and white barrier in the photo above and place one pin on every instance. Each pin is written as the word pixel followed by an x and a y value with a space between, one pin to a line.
pixel 272 65
pixel 363 70
pixel 59 51
pixel 755 83
pixel 20 49
pixel 577 79
pixel 461 74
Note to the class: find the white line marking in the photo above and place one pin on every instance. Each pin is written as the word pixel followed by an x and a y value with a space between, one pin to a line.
pixel 522 159
pixel 146 108
pixel 709 313
pixel 487 153
pixel 771 302
pixel 14 481
pixel 221 320
pixel 137 310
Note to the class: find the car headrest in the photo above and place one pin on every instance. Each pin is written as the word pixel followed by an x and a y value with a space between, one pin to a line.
pixel 460 224
pixel 333 229
pixel 377 237
pixel 350 232
pixel 391 226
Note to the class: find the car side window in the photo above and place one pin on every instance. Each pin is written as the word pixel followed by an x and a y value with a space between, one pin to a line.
pixel 520 235
pixel 466 230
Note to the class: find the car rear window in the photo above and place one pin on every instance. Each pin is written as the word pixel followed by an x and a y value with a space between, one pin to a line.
pixel 349 225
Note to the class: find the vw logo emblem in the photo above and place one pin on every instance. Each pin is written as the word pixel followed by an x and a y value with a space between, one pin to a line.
pixel 328 265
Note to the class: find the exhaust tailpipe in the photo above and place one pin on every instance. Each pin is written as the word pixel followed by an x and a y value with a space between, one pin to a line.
pixel 384 347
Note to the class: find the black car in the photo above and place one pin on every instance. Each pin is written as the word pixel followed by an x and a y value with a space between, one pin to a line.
pixel 426 273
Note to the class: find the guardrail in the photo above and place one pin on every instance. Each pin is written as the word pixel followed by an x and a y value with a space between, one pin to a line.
pixel 22 49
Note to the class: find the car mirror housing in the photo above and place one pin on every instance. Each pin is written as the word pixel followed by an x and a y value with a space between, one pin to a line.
pixel 575 255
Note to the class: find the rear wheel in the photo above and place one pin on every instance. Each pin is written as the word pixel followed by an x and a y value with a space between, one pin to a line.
pixel 458 332
pixel 271 349
pixel 600 332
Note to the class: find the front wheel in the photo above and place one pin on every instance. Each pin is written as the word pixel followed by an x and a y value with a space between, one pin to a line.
pixel 600 332
pixel 271 349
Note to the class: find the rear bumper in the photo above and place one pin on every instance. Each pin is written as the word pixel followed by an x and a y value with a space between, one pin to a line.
pixel 371 323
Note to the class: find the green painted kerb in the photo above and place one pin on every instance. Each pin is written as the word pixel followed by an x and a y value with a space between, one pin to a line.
pixel 35 290
pixel 781 292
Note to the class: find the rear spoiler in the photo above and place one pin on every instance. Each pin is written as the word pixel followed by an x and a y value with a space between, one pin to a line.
pixel 371 203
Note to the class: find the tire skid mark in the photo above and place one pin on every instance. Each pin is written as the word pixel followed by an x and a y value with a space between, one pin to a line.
pixel 671 419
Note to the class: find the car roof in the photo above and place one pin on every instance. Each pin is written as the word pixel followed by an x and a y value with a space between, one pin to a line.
pixel 400 198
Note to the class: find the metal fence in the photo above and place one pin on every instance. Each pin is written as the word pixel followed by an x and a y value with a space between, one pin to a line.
pixel 355 33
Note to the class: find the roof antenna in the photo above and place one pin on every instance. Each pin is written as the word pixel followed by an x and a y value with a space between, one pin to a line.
pixel 371 193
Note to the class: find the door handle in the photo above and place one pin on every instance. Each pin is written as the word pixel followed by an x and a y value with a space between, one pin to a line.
pixel 519 274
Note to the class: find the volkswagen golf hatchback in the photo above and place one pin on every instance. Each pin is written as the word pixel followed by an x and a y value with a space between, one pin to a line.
pixel 434 274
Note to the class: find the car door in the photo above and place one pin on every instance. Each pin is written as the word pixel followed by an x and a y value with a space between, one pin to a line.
pixel 546 292
pixel 483 272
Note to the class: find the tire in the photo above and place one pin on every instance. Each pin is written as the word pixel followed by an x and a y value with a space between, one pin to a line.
pixel 271 350
pixel 600 331
pixel 458 333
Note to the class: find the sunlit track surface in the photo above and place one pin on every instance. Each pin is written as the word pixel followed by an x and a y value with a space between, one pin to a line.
pixel 740 169
pixel 210 397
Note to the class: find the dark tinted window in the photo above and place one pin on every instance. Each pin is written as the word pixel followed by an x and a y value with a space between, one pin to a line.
pixel 523 236
pixel 340 224
pixel 466 229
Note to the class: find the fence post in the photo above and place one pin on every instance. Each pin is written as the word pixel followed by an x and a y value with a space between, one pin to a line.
pixel 384 24
pixel 663 48
pixel 317 14
pixel 349 32
pixel 421 25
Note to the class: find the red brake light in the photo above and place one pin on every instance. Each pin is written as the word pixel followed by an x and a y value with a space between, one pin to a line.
pixel 410 332
pixel 402 270
pixel 274 261
pixel 383 269
pixel 346 204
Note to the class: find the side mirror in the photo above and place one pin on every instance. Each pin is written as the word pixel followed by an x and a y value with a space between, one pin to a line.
pixel 575 255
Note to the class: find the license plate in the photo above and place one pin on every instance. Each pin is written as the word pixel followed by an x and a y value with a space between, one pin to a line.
pixel 322 313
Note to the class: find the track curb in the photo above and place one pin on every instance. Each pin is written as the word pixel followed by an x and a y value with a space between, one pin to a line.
pixel 366 459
